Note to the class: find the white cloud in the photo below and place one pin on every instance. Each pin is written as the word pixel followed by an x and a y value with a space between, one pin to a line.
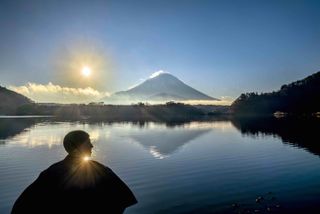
pixel 224 100
pixel 157 73
pixel 58 94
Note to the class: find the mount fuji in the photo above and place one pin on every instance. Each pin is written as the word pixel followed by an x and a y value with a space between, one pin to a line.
pixel 160 88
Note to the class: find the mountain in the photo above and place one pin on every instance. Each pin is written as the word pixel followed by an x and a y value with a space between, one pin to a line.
pixel 11 101
pixel 163 87
pixel 295 98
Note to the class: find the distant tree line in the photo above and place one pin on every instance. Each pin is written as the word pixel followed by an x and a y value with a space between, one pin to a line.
pixel 300 97
pixel 140 111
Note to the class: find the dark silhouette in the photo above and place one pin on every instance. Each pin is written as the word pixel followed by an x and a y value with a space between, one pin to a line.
pixel 76 185
pixel 11 101
pixel 301 132
pixel 300 97
pixel 10 127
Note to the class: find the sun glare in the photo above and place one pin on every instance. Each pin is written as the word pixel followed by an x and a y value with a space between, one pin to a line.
pixel 86 158
pixel 86 71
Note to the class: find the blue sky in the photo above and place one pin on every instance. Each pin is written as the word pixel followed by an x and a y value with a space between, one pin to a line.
pixel 222 48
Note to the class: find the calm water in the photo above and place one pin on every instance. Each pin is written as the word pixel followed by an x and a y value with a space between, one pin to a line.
pixel 195 167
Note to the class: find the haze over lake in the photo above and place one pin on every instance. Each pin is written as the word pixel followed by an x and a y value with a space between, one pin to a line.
pixel 195 167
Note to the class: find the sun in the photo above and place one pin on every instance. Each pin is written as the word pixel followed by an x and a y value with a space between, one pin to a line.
pixel 86 71
pixel 86 158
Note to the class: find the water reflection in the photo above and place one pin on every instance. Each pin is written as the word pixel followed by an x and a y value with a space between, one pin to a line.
pixel 207 166
pixel 162 143
pixel 11 127
pixel 35 132
pixel 300 132
pixel 160 139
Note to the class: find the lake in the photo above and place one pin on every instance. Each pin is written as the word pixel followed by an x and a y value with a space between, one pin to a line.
pixel 219 166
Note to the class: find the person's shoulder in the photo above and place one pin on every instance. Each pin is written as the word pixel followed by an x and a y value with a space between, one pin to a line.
pixel 96 163
pixel 100 165
pixel 56 165
pixel 53 168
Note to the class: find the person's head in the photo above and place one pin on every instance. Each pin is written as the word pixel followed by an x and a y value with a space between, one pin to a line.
pixel 78 143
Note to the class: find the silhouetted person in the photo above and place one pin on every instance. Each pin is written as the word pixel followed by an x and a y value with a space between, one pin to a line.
pixel 76 185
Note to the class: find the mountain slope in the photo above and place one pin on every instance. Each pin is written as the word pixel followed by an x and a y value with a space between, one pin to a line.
pixel 164 87
pixel 298 97
pixel 11 100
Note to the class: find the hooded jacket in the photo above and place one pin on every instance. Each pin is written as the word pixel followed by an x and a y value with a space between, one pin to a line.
pixel 75 186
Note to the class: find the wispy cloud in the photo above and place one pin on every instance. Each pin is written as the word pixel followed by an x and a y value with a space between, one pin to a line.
pixel 224 100
pixel 157 73
pixel 58 94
